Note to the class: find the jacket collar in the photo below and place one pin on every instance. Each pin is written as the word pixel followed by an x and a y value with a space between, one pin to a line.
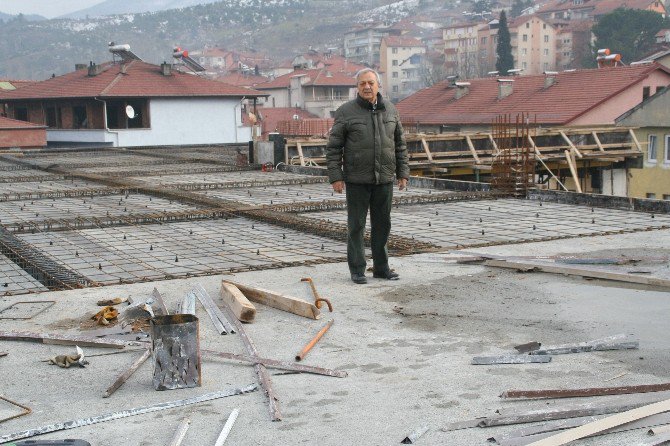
pixel 368 106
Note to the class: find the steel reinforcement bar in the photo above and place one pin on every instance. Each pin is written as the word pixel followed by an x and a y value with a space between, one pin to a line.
pixel 250 183
pixel 72 193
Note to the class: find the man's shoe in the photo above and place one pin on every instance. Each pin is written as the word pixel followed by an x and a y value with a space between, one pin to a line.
pixel 359 278
pixel 388 275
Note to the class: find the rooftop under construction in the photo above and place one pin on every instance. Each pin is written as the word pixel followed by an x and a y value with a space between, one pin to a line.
pixel 80 225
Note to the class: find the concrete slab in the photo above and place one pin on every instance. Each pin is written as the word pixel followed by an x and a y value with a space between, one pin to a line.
pixel 406 346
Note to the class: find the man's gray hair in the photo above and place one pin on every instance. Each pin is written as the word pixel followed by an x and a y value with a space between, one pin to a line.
pixel 368 70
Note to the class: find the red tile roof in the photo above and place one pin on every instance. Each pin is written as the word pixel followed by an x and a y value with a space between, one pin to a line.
pixel 403 41
pixel 317 78
pixel 242 80
pixel 16 83
pixel 270 117
pixel 141 79
pixel 12 124
pixel 603 7
pixel 573 94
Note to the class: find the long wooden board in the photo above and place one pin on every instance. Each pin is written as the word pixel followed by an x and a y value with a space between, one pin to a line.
pixel 279 301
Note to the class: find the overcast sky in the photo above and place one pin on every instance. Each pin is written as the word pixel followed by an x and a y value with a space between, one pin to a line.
pixel 46 8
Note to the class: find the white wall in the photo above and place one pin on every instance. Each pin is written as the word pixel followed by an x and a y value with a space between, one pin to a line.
pixel 615 178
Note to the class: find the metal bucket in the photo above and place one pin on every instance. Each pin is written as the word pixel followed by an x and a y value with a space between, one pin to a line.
pixel 175 341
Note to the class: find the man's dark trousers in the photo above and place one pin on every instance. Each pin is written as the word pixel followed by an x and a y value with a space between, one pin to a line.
pixel 378 198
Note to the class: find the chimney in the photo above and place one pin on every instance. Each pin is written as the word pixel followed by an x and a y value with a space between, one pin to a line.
pixel 505 87
pixel 462 88
pixel 123 68
pixel 93 69
pixel 166 69
pixel 550 78
pixel 79 66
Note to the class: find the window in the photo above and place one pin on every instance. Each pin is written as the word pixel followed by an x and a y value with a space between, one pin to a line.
pixel 527 25
pixel 394 62
pixel 659 88
pixel 54 117
pixel 395 88
pixel 524 65
pixel 79 118
pixel 545 66
pixel 546 38
pixel 21 113
pixel 666 157
pixel 525 38
pixel 645 92
pixel 483 40
pixel 394 50
pixel 651 196
pixel 666 196
pixel 651 149
pixel 395 74
pixel 546 51
pixel 523 51
pixel 544 26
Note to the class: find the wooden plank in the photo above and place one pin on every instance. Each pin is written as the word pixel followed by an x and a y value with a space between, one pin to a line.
pixel 606 423
pixel 237 302
pixel 472 149
pixel 495 145
pixel 620 277
pixel 509 359
pixel 279 301
pixel 594 391
pixel 634 138
pixel 123 377
pixel 573 171
pixel 426 149
pixel 572 146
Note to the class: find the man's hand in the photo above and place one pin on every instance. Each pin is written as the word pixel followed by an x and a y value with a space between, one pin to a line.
pixel 402 183
pixel 338 186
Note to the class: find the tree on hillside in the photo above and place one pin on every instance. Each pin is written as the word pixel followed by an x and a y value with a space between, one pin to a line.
pixel 629 32
pixel 504 59
pixel 518 6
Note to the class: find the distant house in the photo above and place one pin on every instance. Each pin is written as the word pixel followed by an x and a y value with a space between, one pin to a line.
pixel 318 91
pixel 569 98
pixel 22 135
pixel 401 62
pixel 661 57
pixel 594 9
pixel 651 116
pixel 132 103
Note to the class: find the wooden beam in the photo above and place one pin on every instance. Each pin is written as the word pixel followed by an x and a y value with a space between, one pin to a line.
pixel 237 302
pixel 493 143
pixel 123 377
pixel 601 425
pixel 472 149
pixel 300 154
pixel 279 301
pixel 426 149
pixel 572 146
pixel 597 140
pixel 593 391
pixel 634 138
pixel 596 274
pixel 573 170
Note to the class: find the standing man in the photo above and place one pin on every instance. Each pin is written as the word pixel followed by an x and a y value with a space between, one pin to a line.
pixel 366 150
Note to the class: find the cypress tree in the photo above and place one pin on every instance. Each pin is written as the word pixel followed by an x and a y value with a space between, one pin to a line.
pixel 504 60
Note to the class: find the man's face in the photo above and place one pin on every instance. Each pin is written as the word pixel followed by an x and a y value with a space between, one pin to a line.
pixel 368 86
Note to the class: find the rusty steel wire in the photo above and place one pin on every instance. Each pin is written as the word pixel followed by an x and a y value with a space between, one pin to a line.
pixel 513 169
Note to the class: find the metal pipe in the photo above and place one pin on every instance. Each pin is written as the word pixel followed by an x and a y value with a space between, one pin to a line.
pixel 300 356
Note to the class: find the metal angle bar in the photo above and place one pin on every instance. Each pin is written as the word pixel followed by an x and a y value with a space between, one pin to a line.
pixel 509 359
pixel 158 298
pixel 593 391
pixel 126 413
pixel 180 432
pixel 222 324
pixel 227 427
pixel 187 304
pixel 261 371
pixel 121 379
pixel 62 339
pixel 616 342
pixel 276 364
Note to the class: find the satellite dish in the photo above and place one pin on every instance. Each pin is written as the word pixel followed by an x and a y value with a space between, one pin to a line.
pixel 130 111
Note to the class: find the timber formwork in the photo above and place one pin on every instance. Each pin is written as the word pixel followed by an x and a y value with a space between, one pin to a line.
pixel 125 216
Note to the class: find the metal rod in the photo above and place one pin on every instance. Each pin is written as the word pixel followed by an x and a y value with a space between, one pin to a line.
pixel 594 391
pixel 180 433
pixel 121 379
pixel 227 427
pixel 300 356
pixel 125 413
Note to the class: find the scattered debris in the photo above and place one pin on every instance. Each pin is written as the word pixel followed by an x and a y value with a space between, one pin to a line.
pixel 659 430
pixel 528 347
pixel 162 309
pixel 595 391
pixel 616 376
pixel 180 433
pixel 126 413
pixel 106 315
pixel 26 410
pixel 411 438
pixel 279 301
pixel 187 304
pixel 114 301
pixel 227 427
pixel 66 361
pixel 121 379
pixel 510 359
pixel 238 303
pixel 176 352
pixel 3 354
pixel 300 356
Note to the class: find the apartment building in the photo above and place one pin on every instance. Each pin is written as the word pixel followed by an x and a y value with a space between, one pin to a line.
pixel 534 44
pixel 362 44
pixel 461 49
pixel 401 64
